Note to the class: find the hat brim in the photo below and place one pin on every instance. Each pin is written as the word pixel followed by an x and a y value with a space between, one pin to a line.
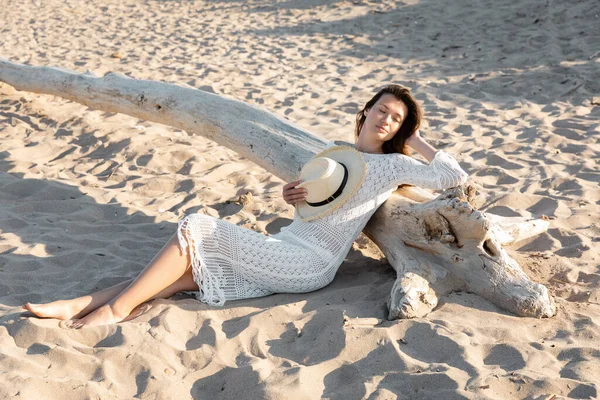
pixel 354 161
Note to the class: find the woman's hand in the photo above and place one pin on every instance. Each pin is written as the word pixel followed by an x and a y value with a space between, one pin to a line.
pixel 292 194
pixel 421 146
pixel 414 138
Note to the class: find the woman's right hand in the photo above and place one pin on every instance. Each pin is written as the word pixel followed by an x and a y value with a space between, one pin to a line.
pixel 292 194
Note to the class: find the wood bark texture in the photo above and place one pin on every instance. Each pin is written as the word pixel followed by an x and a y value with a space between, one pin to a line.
pixel 435 244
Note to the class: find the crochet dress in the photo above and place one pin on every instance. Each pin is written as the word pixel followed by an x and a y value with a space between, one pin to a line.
pixel 230 262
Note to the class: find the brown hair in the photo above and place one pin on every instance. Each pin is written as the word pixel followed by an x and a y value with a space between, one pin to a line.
pixel 411 123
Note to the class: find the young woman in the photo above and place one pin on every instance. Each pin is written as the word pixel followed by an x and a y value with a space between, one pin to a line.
pixel 222 261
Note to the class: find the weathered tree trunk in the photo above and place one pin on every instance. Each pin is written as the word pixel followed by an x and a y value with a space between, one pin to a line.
pixel 436 245
pixel 447 245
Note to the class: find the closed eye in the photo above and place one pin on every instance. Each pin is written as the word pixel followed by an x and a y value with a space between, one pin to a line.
pixel 397 119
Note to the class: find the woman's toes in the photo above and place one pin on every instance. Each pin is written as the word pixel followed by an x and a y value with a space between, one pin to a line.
pixel 77 324
pixel 67 324
pixel 138 311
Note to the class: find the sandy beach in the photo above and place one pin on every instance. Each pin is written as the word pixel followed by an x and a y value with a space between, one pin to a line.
pixel 510 88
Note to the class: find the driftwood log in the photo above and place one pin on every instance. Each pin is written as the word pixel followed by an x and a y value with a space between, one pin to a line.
pixel 435 244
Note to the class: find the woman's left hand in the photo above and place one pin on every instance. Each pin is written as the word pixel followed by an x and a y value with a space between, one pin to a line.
pixel 415 137
pixel 420 145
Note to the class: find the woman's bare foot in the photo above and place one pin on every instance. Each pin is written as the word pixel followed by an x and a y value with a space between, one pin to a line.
pixel 104 315
pixel 61 309
pixel 138 311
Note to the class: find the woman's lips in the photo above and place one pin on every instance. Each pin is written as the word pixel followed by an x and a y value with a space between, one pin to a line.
pixel 380 129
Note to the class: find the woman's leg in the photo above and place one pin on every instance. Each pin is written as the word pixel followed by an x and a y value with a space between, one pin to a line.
pixel 82 306
pixel 79 307
pixel 167 267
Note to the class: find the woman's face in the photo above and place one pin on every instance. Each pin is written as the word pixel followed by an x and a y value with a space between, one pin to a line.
pixel 384 118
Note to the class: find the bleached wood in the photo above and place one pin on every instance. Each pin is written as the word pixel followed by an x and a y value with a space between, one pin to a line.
pixel 457 248
pixel 436 244
pixel 510 230
pixel 276 145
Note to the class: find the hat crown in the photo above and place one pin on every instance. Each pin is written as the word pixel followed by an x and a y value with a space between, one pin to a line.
pixel 330 188
pixel 322 177
pixel 318 168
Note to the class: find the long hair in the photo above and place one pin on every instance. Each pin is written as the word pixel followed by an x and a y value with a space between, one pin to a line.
pixel 411 123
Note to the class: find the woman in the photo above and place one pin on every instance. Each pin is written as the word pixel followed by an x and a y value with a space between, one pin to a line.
pixel 221 261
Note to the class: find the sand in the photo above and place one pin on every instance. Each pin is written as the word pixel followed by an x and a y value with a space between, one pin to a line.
pixel 511 88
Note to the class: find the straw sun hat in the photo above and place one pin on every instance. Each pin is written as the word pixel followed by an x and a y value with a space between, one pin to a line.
pixel 331 178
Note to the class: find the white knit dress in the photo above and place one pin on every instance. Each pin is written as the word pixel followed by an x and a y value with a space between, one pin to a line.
pixel 230 262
